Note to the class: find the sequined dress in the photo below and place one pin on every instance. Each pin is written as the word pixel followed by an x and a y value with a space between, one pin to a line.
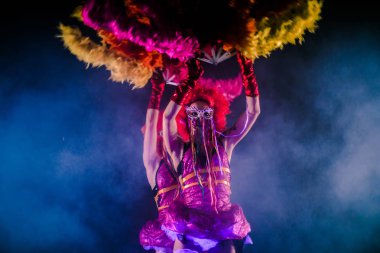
pixel 200 217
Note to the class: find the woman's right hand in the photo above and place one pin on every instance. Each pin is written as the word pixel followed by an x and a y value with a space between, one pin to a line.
pixel 195 71
pixel 194 68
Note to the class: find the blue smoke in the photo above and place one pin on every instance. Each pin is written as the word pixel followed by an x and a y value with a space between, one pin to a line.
pixel 307 176
pixel 71 171
pixel 72 178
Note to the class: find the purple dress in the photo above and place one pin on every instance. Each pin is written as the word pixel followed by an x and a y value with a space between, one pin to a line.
pixel 192 214
pixel 151 234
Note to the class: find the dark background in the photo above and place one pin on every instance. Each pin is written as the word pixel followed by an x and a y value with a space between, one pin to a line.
pixel 307 176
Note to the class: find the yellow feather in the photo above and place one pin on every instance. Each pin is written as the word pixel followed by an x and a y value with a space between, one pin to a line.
pixel 97 55
pixel 289 26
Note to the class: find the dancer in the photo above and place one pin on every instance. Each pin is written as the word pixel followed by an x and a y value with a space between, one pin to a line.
pixel 161 177
pixel 203 218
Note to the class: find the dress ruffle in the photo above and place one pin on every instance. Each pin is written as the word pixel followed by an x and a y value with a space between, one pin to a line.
pixel 153 237
pixel 227 224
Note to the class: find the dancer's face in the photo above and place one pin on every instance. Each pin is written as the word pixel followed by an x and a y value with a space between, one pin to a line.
pixel 200 116
pixel 199 110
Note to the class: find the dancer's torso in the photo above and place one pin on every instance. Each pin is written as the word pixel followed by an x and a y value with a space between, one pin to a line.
pixel 219 177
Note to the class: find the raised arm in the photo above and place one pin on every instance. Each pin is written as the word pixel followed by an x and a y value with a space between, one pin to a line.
pixel 151 155
pixel 246 120
pixel 172 142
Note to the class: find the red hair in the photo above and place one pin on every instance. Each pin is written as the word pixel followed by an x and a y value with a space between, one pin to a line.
pixel 214 98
